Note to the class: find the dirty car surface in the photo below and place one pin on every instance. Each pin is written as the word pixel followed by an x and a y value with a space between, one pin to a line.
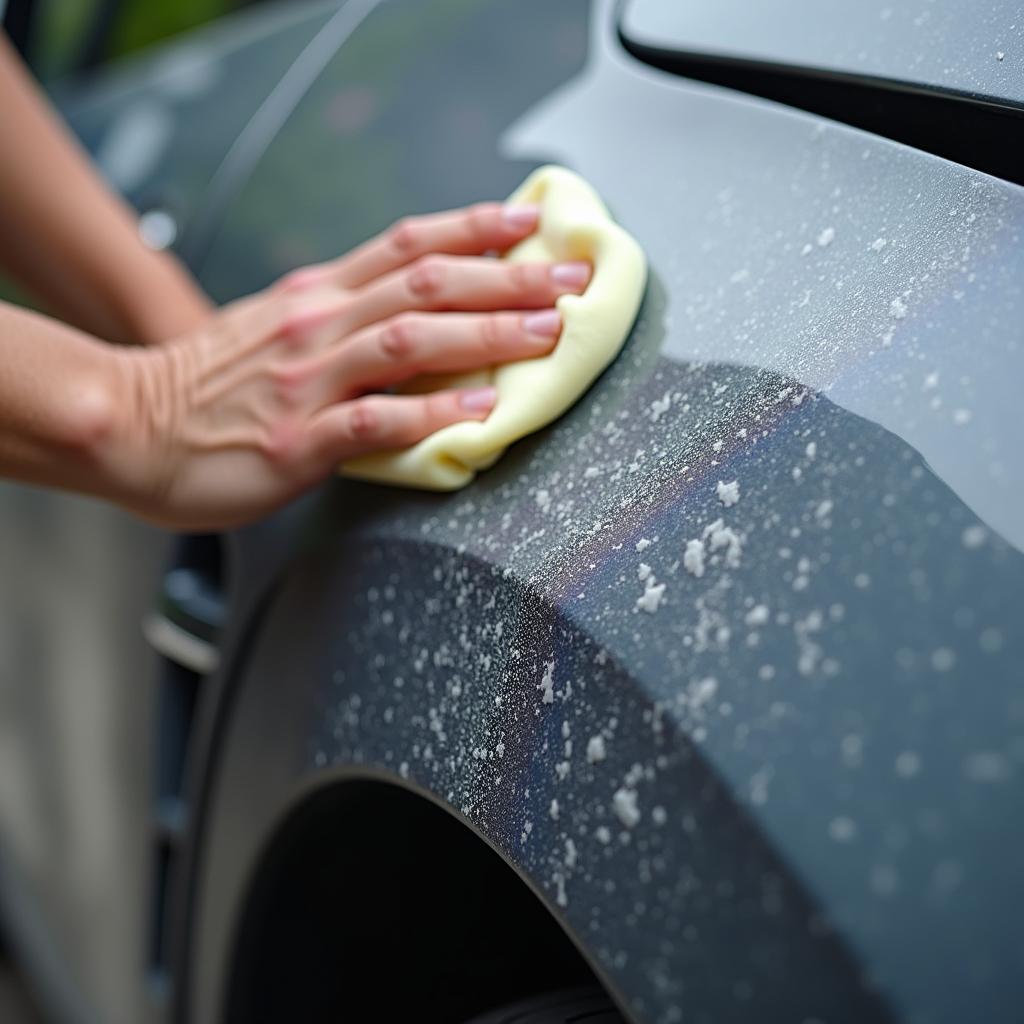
pixel 725 662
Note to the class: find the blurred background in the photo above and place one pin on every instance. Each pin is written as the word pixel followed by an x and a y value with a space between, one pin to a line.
pixel 61 38
pixel 65 40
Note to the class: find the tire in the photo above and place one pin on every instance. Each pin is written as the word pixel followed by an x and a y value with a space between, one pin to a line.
pixel 581 1004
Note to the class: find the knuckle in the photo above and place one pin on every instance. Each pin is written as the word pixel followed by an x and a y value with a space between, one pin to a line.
pixel 291 282
pixel 435 412
pixel 281 442
pixel 426 278
pixel 493 332
pixel 292 331
pixel 291 318
pixel 404 236
pixel 288 380
pixel 483 217
pixel 363 421
pixel 399 337
pixel 296 280
pixel 524 277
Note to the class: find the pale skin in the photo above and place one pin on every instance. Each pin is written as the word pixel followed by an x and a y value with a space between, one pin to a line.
pixel 209 418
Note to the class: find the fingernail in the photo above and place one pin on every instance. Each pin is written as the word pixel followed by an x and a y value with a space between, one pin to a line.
pixel 571 275
pixel 520 216
pixel 547 323
pixel 478 399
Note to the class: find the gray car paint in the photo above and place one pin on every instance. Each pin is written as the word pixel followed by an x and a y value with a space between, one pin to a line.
pixel 973 47
pixel 822 825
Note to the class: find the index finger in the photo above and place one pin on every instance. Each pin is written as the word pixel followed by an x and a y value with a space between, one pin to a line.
pixel 467 232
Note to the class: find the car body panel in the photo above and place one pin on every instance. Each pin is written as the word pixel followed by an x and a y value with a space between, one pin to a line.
pixel 964 47
pixel 813 735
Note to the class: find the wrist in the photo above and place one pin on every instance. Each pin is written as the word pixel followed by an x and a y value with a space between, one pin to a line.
pixel 93 423
pixel 114 419
pixel 65 424
pixel 166 304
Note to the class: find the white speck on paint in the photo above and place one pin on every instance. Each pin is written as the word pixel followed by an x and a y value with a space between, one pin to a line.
pixel 884 879
pixel 596 749
pixel 624 803
pixel 908 764
pixel 728 493
pixel 842 829
pixel 571 854
pixel 990 640
pixel 719 536
pixel 693 558
pixel 987 766
pixel 653 595
pixel 758 615
pixel 660 406
pixel 547 683
pixel 560 898
pixel 974 536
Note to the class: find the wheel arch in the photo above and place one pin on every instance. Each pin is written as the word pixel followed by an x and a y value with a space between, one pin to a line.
pixel 372 898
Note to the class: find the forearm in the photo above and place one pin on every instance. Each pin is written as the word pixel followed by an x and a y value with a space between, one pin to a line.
pixel 68 239
pixel 58 396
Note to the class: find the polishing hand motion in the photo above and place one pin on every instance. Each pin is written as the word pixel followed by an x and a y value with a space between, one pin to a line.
pixel 229 421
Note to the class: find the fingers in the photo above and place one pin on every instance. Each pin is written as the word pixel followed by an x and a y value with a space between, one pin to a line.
pixel 383 422
pixel 416 343
pixel 448 283
pixel 468 232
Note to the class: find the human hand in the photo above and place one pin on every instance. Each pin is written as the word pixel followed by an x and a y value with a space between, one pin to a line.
pixel 230 421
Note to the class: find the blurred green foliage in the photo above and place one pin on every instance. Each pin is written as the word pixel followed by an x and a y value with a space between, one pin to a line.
pixel 63 24
pixel 146 21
